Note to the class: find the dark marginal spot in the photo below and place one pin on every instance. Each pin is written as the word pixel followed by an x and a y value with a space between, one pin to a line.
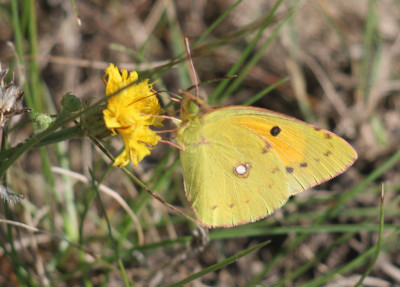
pixel 327 136
pixel 231 205
pixel 303 164
pixel 275 131
pixel 214 207
pixel 328 153
pixel 317 129
pixel 289 169
pixel 275 170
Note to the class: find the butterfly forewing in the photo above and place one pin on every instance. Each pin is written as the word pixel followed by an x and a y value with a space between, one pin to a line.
pixel 310 155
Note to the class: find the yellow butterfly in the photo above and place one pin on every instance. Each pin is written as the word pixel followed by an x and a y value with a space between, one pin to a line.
pixel 241 163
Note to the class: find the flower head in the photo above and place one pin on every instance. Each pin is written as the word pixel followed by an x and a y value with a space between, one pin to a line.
pixel 131 110
pixel 10 99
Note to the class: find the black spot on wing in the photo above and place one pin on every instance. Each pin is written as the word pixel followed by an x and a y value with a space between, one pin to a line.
pixel 275 131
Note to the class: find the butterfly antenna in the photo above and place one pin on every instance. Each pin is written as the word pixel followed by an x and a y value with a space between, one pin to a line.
pixel 187 45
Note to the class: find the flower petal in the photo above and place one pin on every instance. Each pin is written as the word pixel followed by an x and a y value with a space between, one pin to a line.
pixel 131 109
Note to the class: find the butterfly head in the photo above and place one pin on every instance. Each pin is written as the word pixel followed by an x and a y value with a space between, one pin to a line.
pixel 193 107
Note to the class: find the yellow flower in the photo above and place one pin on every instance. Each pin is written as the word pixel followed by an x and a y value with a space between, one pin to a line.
pixel 130 112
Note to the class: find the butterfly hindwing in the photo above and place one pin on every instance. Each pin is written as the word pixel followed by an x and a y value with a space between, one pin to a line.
pixel 232 176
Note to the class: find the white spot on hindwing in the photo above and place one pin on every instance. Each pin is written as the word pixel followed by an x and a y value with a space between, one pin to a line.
pixel 242 170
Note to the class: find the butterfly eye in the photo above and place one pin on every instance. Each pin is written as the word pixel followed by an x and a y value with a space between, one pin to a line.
pixel 242 170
